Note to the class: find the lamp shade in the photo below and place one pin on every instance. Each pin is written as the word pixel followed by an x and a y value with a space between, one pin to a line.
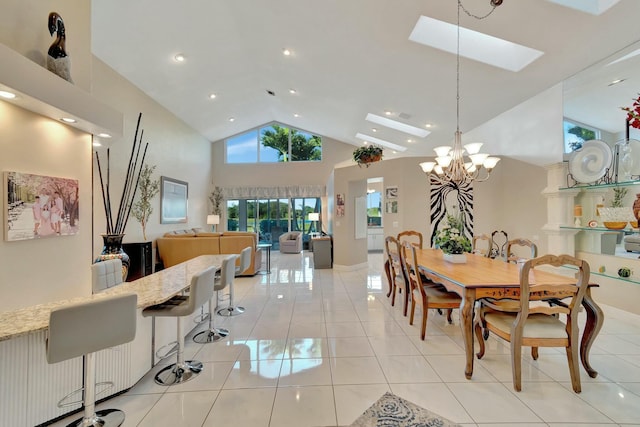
pixel 314 216
pixel 213 219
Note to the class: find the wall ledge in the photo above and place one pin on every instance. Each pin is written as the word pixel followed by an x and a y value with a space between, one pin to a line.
pixel 42 92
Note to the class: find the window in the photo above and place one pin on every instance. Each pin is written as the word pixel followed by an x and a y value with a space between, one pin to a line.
pixel 272 144
pixel 374 208
pixel 576 134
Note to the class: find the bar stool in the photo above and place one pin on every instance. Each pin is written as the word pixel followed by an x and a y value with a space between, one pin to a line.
pixel 83 329
pixel 214 334
pixel 200 290
pixel 105 274
pixel 245 262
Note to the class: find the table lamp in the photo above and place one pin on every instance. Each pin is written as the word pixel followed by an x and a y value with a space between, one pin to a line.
pixel 314 217
pixel 213 220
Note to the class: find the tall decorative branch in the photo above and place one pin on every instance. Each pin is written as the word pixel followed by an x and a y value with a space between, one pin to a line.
pixel 130 184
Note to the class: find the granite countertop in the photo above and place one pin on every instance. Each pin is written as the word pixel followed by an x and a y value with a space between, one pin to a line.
pixel 151 290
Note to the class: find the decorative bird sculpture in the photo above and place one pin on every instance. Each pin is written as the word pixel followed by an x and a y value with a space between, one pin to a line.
pixel 57 59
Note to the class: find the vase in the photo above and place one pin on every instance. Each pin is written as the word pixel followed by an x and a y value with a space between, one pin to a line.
pixel 455 258
pixel 636 207
pixel 112 249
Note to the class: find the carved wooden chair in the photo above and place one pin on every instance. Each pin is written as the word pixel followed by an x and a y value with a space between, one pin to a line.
pixel 395 274
pixel 510 256
pixel 426 295
pixel 481 244
pixel 412 236
pixel 540 325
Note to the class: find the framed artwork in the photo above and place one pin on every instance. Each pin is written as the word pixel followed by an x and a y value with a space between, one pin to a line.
pixel 392 207
pixel 174 196
pixel 340 204
pixel 391 192
pixel 39 206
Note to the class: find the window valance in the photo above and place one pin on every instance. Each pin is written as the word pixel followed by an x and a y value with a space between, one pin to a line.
pixel 284 191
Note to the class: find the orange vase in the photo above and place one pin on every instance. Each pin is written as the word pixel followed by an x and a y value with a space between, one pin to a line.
pixel 636 207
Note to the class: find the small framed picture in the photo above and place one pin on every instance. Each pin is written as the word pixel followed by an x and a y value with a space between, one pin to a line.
pixel 392 207
pixel 391 192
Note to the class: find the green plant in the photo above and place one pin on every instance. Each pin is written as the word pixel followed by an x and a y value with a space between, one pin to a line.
pixel 450 238
pixel 147 190
pixel 367 154
pixel 619 194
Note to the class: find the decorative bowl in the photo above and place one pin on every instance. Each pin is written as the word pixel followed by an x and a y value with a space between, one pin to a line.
pixel 615 225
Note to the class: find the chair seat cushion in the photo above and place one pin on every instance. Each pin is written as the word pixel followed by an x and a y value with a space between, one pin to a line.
pixel 438 296
pixel 536 326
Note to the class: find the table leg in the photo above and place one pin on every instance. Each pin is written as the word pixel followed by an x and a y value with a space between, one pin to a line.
pixel 466 324
pixel 387 270
pixel 595 319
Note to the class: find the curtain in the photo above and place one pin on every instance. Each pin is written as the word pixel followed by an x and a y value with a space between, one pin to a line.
pixel 285 191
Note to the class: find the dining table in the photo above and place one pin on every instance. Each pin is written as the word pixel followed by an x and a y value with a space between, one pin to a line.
pixel 482 277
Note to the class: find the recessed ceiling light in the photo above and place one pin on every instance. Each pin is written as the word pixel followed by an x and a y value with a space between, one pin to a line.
pixel 409 141
pixel 473 44
pixel 96 144
pixel 388 113
pixel 296 115
pixel 293 91
pixel 394 152
pixel 428 125
pixel 7 95
pixel 393 124
pixel 179 57
pixel 68 120
pixel 374 129
pixel 270 92
pixel 616 81
pixel 104 135
pixel 381 142
pixel 286 52
pixel 232 119
pixel 212 96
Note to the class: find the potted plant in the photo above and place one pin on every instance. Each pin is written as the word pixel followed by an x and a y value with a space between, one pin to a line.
pixel 617 215
pixel 147 190
pixel 451 239
pixel 367 154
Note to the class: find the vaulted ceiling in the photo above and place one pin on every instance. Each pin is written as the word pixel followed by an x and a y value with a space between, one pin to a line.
pixel 348 58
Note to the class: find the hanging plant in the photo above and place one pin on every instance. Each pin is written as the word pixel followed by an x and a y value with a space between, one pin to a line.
pixel 367 154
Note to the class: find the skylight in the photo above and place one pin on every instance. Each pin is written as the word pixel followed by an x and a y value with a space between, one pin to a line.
pixel 473 44
pixel 393 124
pixel 381 142
pixel 627 56
pixel 594 7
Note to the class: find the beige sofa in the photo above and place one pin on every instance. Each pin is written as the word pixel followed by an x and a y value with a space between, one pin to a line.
pixel 178 246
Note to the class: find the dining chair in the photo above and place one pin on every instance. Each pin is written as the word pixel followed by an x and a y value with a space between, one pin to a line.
pixel 510 256
pixel 428 296
pixel 395 275
pixel 540 325
pixel 481 245
pixel 499 240
pixel 411 236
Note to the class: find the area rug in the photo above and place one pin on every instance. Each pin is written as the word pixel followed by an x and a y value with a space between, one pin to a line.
pixel 393 411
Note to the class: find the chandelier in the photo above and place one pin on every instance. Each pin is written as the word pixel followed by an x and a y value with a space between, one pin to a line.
pixel 451 163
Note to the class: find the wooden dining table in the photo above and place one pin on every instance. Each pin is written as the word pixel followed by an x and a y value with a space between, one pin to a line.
pixel 482 277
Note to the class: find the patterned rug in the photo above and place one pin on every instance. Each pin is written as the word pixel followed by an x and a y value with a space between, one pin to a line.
pixel 393 411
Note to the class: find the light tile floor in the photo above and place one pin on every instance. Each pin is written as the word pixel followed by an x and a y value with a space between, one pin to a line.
pixel 317 347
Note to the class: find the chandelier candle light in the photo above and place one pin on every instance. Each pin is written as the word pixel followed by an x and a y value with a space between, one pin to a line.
pixel 451 164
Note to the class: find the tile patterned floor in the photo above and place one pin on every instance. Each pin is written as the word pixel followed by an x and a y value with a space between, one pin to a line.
pixel 317 347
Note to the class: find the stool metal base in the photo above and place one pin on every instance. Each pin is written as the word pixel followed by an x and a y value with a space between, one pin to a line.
pixel 210 335
pixel 231 311
pixel 104 418
pixel 178 374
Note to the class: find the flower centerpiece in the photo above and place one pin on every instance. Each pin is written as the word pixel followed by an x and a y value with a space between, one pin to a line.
pixel 451 239
pixel 367 154
pixel 633 113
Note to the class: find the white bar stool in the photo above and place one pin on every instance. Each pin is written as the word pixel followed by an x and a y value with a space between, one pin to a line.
pixel 245 262
pixel 83 329
pixel 213 334
pixel 200 291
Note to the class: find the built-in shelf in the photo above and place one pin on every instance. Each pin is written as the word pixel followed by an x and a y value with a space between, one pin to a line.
pixel 600 186
pixel 42 92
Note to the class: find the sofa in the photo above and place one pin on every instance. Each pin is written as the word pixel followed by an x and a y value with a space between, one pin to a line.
pixel 291 242
pixel 181 245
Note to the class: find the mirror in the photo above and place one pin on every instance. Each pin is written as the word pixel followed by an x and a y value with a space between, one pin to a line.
pixel 592 103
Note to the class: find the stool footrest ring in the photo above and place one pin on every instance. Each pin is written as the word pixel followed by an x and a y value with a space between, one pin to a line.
pixel 172 351
pixel 62 404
